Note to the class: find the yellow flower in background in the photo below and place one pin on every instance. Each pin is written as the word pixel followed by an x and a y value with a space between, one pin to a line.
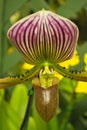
pixel 10 50
pixel 81 87
pixel 27 66
pixel 61 2
pixel 72 62
pixel 85 60
pixel 59 76
pixel 15 17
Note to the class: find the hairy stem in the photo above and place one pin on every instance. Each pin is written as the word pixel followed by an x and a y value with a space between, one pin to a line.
pixel 76 75
pixel 24 124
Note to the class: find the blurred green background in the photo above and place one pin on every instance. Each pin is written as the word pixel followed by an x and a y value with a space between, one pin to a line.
pixel 72 112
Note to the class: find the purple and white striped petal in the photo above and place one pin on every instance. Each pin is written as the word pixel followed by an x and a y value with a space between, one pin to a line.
pixel 44 37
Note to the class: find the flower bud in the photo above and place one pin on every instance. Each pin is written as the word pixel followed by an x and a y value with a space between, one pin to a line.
pixel 44 37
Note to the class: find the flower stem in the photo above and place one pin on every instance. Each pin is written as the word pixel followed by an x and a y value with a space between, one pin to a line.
pixel 24 124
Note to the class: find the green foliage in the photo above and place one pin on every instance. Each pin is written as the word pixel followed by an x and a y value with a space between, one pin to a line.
pixel 39 5
pixel 12 112
pixel 71 7
pixel 9 7
pixel 72 111
pixel 9 62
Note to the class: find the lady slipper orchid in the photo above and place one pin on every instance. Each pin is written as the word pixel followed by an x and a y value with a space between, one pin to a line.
pixel 44 39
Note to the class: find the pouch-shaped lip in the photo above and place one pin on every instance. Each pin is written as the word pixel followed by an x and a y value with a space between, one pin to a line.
pixel 46 99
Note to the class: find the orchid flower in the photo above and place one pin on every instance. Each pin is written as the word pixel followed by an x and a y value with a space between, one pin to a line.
pixel 44 39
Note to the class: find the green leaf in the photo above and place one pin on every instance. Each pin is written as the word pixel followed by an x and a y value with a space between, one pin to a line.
pixel 79 119
pixel 9 120
pixel 10 7
pixel 11 59
pixel 32 124
pixel 9 62
pixel 7 8
pixel 40 4
pixel 19 100
pixel 71 7
pixel 68 85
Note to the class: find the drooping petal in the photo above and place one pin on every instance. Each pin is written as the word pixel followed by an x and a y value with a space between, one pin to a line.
pixel 44 37
pixel 76 75
pixel 13 80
